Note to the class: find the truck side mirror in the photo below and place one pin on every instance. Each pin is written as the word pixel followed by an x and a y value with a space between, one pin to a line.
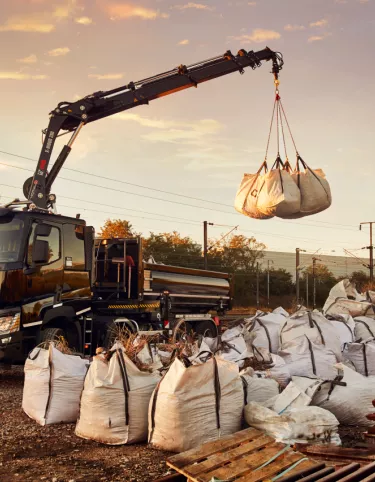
pixel 43 230
pixel 40 252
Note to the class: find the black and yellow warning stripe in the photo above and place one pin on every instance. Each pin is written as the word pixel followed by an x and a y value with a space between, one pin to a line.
pixel 128 307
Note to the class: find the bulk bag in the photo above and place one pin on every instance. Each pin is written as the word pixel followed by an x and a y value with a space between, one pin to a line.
pixel 266 326
pixel 362 355
pixel 364 328
pixel 53 385
pixel 307 359
pixel 246 201
pixel 115 399
pixel 310 425
pixel 314 189
pixel 194 404
pixel 313 325
pixel 279 195
pixel 258 389
pixel 349 396
pixel 345 327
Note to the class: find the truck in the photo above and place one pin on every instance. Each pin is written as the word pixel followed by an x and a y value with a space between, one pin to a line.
pixel 57 280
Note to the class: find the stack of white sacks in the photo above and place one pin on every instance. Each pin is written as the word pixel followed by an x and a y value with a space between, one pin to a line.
pixel 325 363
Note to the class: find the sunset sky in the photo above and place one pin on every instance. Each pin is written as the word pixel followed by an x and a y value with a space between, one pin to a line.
pixel 198 143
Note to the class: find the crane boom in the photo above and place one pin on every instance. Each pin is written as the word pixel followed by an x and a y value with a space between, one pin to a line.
pixel 73 116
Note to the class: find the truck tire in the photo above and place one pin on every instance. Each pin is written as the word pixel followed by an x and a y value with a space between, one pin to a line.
pixel 181 330
pixel 207 328
pixel 52 334
pixel 111 333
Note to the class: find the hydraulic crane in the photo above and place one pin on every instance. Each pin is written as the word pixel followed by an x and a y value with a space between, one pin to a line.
pixel 72 116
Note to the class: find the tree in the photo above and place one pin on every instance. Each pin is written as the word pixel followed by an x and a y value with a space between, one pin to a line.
pixel 117 228
pixel 324 281
pixel 281 282
pixel 236 253
pixel 172 248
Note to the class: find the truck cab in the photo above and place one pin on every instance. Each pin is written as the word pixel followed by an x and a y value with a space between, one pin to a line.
pixel 45 278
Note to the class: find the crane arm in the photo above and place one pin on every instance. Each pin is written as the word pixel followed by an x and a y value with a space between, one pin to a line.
pixel 73 116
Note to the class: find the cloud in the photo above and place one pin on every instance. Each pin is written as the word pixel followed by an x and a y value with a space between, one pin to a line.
pixel 106 76
pixel 173 131
pixel 363 1
pixel 320 23
pixel 40 22
pixel 31 23
pixel 59 52
pixel 252 4
pixel 316 38
pixel 21 76
pixel 83 20
pixel 120 11
pixel 293 28
pixel 31 59
pixel 196 6
pixel 257 36
pixel 184 42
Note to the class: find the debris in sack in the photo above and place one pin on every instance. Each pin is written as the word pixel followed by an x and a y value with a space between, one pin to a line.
pixel 345 299
pixel 53 384
pixel 282 191
pixel 194 404
pixel 266 326
pixel 115 399
pixel 302 424
pixel 349 396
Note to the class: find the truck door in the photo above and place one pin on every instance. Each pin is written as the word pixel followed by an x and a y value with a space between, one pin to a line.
pixel 46 280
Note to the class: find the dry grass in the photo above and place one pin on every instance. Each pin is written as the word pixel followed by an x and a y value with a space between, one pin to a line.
pixel 60 343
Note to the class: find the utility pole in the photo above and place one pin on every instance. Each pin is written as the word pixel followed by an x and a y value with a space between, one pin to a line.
pixel 298 269
pixel 371 249
pixel 268 283
pixel 205 243
pixel 314 260
pixel 258 302
pixel 307 289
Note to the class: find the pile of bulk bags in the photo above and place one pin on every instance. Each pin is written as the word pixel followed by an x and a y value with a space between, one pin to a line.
pixel 345 299
pixel 282 191
pixel 53 385
pixel 115 400
pixel 195 403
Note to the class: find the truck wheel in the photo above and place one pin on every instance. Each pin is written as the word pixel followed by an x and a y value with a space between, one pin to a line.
pixel 113 330
pixel 181 331
pixel 53 334
pixel 207 328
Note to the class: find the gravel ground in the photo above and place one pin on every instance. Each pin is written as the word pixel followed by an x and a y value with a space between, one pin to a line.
pixel 29 452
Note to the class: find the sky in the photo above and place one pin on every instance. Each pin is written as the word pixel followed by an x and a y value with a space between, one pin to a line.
pixel 196 144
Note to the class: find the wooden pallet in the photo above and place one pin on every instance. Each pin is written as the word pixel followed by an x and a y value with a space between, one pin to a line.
pixel 242 457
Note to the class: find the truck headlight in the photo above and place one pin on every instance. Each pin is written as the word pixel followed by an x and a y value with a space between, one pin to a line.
pixel 10 323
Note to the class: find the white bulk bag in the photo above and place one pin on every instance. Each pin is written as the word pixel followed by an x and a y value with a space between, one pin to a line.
pixel 345 327
pixel 296 425
pixel 345 299
pixel 313 325
pixel 307 359
pixel 53 385
pixel 314 188
pixel 246 201
pixel 350 403
pixel 195 404
pixel 280 311
pixel 258 389
pixel 266 326
pixel 115 399
pixel 279 195
pixel 362 355
pixel 364 328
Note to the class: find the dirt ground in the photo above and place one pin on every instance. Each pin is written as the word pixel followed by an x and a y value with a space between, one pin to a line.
pixel 29 452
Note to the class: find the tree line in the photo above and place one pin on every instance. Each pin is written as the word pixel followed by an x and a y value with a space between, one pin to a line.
pixel 238 255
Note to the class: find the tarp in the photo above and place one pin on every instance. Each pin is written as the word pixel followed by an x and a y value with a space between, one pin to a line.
pixel 53 385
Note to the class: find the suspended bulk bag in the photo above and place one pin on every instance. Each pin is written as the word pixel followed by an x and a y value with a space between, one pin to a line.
pixel 114 403
pixel 195 404
pixel 53 385
pixel 279 195
pixel 362 355
pixel 246 201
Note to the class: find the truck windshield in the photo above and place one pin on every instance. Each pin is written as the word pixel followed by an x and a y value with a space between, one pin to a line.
pixel 10 239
